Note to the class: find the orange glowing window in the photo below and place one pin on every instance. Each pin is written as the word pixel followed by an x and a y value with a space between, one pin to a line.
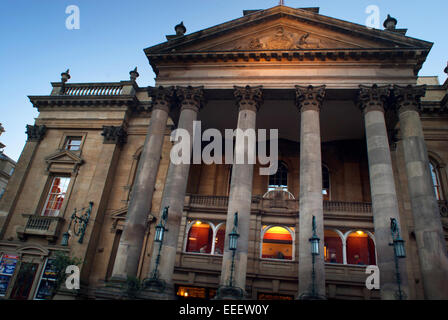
pixel 277 243
pixel 56 196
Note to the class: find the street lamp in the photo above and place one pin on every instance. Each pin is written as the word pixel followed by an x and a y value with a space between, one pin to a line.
pixel 233 243
pixel 399 253
pixel 314 240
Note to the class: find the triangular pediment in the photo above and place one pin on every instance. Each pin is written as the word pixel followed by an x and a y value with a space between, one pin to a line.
pixel 63 161
pixel 284 28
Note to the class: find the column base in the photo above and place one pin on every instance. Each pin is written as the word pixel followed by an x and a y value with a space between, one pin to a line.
pixel 114 289
pixel 155 289
pixel 230 293
pixel 309 296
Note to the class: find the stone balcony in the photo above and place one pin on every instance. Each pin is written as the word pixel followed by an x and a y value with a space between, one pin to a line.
pixel 333 209
pixel 41 226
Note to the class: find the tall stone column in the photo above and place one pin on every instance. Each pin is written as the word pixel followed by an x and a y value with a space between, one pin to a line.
pixel 248 100
pixel 309 101
pixel 174 195
pixel 382 186
pixel 427 223
pixel 131 242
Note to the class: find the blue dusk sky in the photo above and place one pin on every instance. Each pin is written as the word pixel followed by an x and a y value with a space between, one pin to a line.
pixel 36 46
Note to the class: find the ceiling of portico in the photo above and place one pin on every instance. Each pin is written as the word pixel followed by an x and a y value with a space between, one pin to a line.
pixel 340 118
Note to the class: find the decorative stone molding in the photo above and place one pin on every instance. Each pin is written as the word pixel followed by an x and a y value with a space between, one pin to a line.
pixel 372 98
pixel 248 98
pixel 35 133
pixel 310 98
pixel 63 161
pixel 190 97
pixel 114 135
pixel 408 98
pixel 162 98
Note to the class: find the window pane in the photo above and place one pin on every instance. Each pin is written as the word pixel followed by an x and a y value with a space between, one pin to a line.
pixel 332 247
pixel 360 249
pixel 219 240
pixel 200 238
pixel 279 180
pixel 277 244
pixel 56 196
pixel 73 143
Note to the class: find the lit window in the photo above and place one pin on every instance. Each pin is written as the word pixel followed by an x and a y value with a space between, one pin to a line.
pixel 325 183
pixel 200 238
pixel 332 247
pixel 56 196
pixel 279 180
pixel 435 181
pixel 360 249
pixel 277 243
pixel 219 239
pixel 73 143
pixel 47 281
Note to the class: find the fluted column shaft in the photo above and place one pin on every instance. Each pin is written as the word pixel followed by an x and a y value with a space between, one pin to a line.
pixel 131 241
pixel 240 197
pixel 175 187
pixel 382 186
pixel 427 223
pixel 309 101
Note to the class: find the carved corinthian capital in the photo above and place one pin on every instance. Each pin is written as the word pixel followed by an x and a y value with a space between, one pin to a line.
pixel 309 98
pixel 372 98
pixel 114 135
pixel 408 98
pixel 248 98
pixel 190 97
pixel 35 133
pixel 162 98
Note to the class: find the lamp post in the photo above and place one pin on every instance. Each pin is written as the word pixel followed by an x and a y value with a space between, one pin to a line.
pixel 233 243
pixel 314 241
pixel 230 292
pixel 160 232
pixel 399 253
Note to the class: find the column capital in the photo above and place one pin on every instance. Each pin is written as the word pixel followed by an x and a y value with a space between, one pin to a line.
pixel 372 98
pixel 190 97
pixel 162 98
pixel 35 132
pixel 248 98
pixel 114 135
pixel 408 98
pixel 309 98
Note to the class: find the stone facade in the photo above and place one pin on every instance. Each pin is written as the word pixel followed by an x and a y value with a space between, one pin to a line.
pixel 357 133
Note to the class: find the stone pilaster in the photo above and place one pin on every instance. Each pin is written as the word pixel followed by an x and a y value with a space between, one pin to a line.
pixel 190 99
pixel 8 201
pixel 131 242
pixel 248 100
pixel 427 224
pixel 309 101
pixel 382 186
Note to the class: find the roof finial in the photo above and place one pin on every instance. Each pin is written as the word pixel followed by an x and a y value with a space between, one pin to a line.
pixel 281 3
pixel 180 29
pixel 446 69
pixel 390 23
pixel 134 74
pixel 65 76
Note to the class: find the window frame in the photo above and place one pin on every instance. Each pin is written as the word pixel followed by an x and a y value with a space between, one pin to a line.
pixel 293 242
pixel 215 228
pixel 47 191
pixel 434 170
pixel 271 187
pixel 72 134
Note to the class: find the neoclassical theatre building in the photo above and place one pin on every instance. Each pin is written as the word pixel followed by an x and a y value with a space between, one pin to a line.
pixel 363 147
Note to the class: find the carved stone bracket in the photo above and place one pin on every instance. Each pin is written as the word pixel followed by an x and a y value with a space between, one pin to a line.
pixel 35 133
pixel 310 98
pixel 190 97
pixel 248 97
pixel 114 135
pixel 373 98
pixel 408 98
pixel 162 98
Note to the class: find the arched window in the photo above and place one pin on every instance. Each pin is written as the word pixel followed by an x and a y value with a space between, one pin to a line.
pixel 436 180
pixel 200 238
pixel 333 247
pixel 277 243
pixel 220 235
pixel 325 183
pixel 279 180
pixel 205 238
pixel 360 248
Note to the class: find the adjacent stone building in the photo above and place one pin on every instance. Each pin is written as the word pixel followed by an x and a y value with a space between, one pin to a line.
pixel 363 143
pixel 7 166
